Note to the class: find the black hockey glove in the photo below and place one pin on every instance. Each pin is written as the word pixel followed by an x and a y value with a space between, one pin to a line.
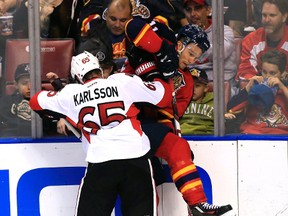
pixel 167 60
pixel 142 62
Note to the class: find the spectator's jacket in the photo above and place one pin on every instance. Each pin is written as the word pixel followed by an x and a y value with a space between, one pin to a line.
pixel 198 118
pixel 230 67
pixel 274 122
pixel 254 45
pixel 15 116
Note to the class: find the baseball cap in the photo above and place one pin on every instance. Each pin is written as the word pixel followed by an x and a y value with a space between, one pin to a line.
pixel 262 96
pixel 199 74
pixel 199 2
pixel 22 70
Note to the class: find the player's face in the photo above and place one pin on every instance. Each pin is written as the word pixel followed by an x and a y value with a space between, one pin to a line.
pixel 189 55
pixel 270 70
pixel 116 19
pixel 199 91
pixel 23 86
pixel 197 14
pixel 272 19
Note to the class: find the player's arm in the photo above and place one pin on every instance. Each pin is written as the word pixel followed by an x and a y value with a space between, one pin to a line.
pixel 157 92
pixel 46 104
pixel 144 37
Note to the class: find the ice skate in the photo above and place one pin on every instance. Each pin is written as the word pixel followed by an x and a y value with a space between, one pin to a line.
pixel 206 209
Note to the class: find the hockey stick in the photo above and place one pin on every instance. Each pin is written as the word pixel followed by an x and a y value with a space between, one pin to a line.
pixel 72 129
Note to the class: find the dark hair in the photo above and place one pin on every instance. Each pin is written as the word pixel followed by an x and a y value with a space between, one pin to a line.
pixel 281 4
pixel 275 57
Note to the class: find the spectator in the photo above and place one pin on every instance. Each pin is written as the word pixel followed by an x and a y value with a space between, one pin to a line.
pixel 20 23
pixel 15 115
pixel 118 12
pixel 7 6
pixel 111 135
pixel 263 103
pixel 198 12
pixel 110 17
pixel 199 116
pixel 273 35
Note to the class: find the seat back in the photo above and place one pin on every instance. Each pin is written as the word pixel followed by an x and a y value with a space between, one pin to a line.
pixel 56 56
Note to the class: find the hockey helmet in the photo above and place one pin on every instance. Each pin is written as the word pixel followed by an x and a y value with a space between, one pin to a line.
pixel 194 34
pixel 82 64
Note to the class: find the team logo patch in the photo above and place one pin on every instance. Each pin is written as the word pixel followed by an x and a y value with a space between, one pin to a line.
pixel 139 9
pixel 22 110
pixel 178 81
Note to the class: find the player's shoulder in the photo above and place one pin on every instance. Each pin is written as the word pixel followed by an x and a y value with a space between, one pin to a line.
pixel 125 79
pixel 122 76
pixel 71 87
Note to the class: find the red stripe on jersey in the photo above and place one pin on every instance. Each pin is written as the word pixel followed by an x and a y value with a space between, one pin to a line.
pixel 34 102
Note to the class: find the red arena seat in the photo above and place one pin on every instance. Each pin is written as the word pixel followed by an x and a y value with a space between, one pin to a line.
pixel 56 57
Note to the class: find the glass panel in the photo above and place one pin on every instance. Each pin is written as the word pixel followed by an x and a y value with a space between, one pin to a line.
pixel 57 49
pixel 55 54
pixel 15 112
pixel 60 37
pixel 257 106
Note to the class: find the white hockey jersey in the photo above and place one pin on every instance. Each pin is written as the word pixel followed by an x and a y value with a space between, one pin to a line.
pixel 104 111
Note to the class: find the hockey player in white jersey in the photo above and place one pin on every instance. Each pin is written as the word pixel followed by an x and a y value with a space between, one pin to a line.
pixel 104 111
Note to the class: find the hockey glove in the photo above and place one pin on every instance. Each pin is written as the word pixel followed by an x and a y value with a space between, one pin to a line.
pixel 141 61
pixel 167 60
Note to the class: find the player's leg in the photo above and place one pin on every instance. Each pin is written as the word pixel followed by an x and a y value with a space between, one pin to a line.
pixel 137 188
pixel 98 190
pixel 176 151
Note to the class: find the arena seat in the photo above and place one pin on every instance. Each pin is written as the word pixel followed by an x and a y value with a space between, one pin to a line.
pixel 10 88
pixel 56 56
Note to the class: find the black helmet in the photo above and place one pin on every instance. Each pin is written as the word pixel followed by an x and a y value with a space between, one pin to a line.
pixel 194 34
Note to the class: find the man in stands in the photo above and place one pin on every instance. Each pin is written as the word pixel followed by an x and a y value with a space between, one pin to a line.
pixel 273 35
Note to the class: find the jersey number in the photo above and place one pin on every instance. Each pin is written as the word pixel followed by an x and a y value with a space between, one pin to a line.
pixel 105 119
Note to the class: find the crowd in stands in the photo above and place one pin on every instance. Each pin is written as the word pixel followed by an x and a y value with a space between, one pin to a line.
pixel 261 26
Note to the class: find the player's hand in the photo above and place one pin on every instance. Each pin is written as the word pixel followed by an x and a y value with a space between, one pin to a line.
pixel 51 76
pixel 167 59
pixel 61 127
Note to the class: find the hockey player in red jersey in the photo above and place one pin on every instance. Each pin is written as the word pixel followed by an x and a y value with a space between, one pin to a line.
pixel 115 145
pixel 151 55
